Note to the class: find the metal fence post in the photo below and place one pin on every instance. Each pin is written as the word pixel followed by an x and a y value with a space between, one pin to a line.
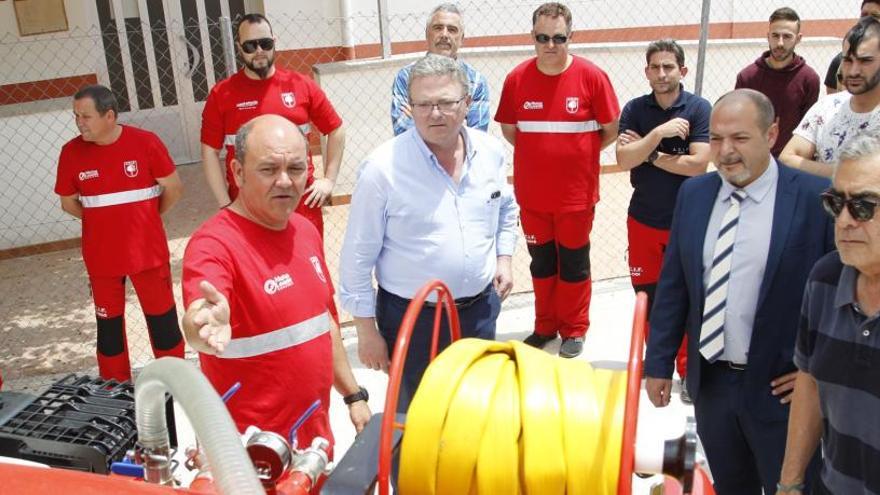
pixel 228 44
pixel 701 51
pixel 384 32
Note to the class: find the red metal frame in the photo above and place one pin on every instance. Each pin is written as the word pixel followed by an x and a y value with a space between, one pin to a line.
pixel 395 373
pixel 445 300
pixel 633 390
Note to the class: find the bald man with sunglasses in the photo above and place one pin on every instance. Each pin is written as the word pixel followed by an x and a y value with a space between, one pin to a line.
pixel 838 382
pixel 262 88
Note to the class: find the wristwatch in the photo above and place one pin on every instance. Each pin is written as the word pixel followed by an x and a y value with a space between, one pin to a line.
pixel 654 155
pixel 361 394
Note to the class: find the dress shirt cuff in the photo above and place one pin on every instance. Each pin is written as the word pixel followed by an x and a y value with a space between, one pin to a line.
pixel 505 244
pixel 359 305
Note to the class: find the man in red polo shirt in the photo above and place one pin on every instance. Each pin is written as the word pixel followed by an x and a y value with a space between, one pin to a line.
pixel 119 179
pixel 559 111
pixel 259 297
pixel 261 88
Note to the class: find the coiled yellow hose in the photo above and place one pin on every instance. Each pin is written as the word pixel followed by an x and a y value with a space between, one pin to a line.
pixel 505 418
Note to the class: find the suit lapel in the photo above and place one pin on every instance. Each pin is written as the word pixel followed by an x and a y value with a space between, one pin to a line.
pixel 704 200
pixel 783 211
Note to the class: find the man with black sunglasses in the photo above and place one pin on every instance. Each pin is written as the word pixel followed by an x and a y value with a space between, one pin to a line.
pixel 558 110
pixel 837 387
pixel 262 88
pixel 742 243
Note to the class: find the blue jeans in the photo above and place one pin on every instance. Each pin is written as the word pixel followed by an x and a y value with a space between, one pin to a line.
pixel 477 319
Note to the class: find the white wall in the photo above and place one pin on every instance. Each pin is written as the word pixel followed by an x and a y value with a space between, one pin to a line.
pixel 492 17
pixel 360 90
pixel 48 56
pixel 29 143
pixel 29 209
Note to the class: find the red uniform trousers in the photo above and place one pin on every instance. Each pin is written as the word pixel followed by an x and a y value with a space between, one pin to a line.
pixel 153 289
pixel 647 246
pixel 559 244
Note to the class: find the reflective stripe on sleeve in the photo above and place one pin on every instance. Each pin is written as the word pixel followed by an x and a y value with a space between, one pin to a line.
pixel 277 340
pixel 121 198
pixel 557 127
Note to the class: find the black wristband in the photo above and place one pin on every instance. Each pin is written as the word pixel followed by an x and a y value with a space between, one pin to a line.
pixel 361 394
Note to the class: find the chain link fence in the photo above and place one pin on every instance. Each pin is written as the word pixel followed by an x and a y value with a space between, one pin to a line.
pixel 162 64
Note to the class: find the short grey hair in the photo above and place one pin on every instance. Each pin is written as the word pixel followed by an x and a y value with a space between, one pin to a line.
pixel 862 145
pixel 437 65
pixel 241 140
pixel 449 8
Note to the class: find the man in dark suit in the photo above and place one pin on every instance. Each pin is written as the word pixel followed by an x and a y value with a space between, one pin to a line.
pixel 734 280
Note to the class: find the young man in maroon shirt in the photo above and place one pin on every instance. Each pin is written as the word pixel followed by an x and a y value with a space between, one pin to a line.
pixel 782 75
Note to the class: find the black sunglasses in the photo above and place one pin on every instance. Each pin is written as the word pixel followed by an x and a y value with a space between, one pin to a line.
pixel 860 209
pixel 250 46
pixel 558 39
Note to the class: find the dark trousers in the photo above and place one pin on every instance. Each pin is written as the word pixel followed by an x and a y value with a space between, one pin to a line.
pixel 477 319
pixel 744 453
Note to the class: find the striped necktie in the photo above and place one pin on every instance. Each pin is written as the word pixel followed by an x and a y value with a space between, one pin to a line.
pixel 712 329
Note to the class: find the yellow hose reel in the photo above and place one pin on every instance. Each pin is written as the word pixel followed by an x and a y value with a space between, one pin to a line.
pixel 498 418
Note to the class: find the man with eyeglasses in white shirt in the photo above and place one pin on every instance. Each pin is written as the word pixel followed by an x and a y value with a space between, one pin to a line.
pixel 431 203
pixel 558 111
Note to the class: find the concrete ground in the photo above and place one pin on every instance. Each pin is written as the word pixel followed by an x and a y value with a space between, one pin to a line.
pixel 47 325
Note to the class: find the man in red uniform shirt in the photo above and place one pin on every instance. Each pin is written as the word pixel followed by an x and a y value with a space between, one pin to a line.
pixel 559 111
pixel 119 180
pixel 261 88
pixel 259 297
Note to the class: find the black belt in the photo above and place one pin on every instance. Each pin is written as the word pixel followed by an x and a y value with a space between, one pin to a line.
pixel 733 366
pixel 465 302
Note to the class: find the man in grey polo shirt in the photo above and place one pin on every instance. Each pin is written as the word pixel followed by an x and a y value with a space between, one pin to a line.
pixel 837 392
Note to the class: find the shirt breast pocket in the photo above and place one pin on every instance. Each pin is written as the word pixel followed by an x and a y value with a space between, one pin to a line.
pixel 481 215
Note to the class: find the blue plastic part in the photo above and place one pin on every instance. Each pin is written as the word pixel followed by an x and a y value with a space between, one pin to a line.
pixel 127 469
pixel 302 419
pixel 232 390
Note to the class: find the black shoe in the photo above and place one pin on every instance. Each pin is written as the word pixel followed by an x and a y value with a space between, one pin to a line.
pixel 537 340
pixel 684 395
pixel 571 347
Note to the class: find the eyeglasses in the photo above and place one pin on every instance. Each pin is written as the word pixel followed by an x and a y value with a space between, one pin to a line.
pixel 250 46
pixel 445 106
pixel 861 209
pixel 558 39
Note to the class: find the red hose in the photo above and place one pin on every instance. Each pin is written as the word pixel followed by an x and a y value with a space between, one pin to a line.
pixel 633 390
pixel 395 374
